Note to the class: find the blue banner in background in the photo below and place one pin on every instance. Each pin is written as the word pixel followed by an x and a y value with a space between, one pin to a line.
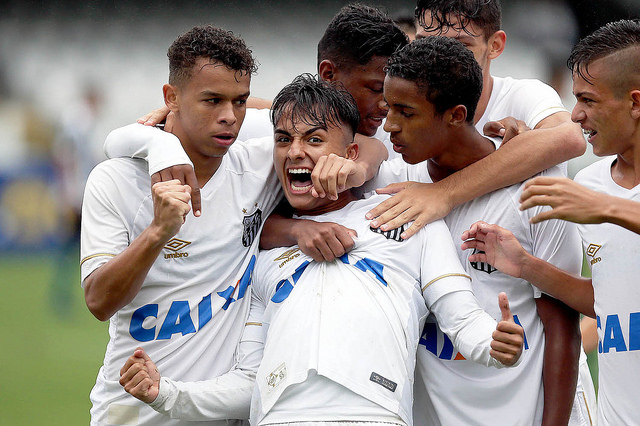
pixel 30 216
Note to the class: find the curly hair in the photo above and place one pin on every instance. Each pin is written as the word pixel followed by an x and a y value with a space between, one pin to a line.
pixel 207 41
pixel 357 33
pixel 444 69
pixel 486 14
pixel 612 38
pixel 315 102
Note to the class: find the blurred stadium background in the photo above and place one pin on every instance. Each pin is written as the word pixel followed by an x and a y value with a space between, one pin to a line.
pixel 71 71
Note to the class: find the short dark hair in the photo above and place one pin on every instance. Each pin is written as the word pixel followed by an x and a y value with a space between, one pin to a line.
pixel 357 33
pixel 611 38
pixel 315 102
pixel 207 41
pixel 444 69
pixel 485 14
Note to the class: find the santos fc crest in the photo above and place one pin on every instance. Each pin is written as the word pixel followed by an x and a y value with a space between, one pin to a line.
pixel 250 226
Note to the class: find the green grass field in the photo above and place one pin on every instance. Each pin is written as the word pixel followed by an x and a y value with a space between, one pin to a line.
pixel 50 352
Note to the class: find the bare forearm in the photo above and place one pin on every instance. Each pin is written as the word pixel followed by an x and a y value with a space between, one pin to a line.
pixel 561 354
pixel 117 282
pixel 277 232
pixel 577 292
pixel 515 161
pixel 622 212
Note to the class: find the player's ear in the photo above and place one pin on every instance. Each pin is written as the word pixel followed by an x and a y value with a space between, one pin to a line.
pixel 635 104
pixel 170 93
pixel 496 44
pixel 353 150
pixel 457 115
pixel 327 70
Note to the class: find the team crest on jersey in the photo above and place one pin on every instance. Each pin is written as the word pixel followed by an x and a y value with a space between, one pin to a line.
pixel 592 250
pixel 394 234
pixel 175 245
pixel 482 266
pixel 251 225
pixel 287 256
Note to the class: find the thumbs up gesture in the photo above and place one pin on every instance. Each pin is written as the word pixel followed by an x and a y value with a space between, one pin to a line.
pixel 508 338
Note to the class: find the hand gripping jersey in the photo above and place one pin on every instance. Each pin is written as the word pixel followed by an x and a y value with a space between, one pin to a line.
pixel 612 252
pixel 350 327
pixel 193 304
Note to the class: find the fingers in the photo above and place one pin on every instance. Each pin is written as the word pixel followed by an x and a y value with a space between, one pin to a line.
pixel 186 175
pixel 503 303
pixel 493 128
pixel 154 117
pixel 393 188
pixel 381 208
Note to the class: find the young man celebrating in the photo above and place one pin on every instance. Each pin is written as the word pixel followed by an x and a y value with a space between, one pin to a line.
pixel 168 281
pixel 425 98
pixel 604 201
pixel 340 337
pixel 552 140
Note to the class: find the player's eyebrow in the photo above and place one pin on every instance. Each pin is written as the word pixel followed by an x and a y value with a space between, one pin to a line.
pixel 308 132
pixel 210 93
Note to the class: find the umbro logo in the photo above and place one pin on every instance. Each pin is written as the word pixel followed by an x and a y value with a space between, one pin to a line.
pixel 592 250
pixel 287 256
pixel 175 245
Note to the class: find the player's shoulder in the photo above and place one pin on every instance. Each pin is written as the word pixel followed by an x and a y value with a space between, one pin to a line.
pixel 251 156
pixel 120 170
pixel 595 173
pixel 509 84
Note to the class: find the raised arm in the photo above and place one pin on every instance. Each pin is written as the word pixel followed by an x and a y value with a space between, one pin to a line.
pixel 161 150
pixel 115 283
pixel 554 140
pixel 499 247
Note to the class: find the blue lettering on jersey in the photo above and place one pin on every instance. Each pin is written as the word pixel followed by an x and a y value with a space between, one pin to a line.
pixel 431 333
pixel 367 264
pixel 613 336
pixel 241 286
pixel 284 287
pixel 178 318
pixel 136 330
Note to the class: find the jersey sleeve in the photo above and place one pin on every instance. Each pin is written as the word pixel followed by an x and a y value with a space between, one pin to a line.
pixel 159 148
pixel 537 102
pixel 468 326
pixel 104 232
pixel 256 124
pixel 390 171
pixel 227 396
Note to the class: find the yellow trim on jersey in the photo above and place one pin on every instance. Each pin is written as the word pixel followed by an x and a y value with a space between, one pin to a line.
pixel 444 276
pixel 253 323
pixel 96 255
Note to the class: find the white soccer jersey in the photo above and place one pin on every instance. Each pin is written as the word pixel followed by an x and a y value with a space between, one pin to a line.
pixel 354 321
pixel 479 393
pixel 256 124
pixel 528 100
pixel 192 307
pixel 612 251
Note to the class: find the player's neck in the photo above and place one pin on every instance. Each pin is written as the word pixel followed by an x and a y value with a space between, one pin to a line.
pixel 469 147
pixel 483 102
pixel 625 171
pixel 344 198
